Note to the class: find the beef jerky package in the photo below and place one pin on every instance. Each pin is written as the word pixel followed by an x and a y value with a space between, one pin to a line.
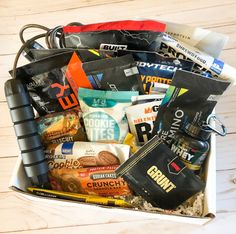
pixel 128 34
pixel 154 68
pixel 190 98
pixel 86 55
pixel 61 127
pixel 157 174
pixel 104 114
pixel 141 118
pixel 53 82
pixel 116 74
pixel 203 63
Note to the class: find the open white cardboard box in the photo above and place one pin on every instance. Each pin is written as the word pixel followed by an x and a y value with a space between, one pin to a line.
pixel 19 182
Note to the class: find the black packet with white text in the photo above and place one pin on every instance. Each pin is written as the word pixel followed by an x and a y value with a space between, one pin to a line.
pixel 190 98
pixel 154 68
pixel 51 85
pixel 115 74
pixel 157 174
pixel 114 35
pixel 115 39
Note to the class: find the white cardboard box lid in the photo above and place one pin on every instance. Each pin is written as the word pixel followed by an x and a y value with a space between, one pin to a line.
pixel 20 182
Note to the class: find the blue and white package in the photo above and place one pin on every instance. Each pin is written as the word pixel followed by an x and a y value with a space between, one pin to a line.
pixel 155 69
pixel 205 64
pixel 104 114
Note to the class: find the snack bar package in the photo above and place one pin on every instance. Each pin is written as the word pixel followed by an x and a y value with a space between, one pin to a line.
pixel 204 63
pixel 141 118
pixel 116 74
pixel 157 174
pixel 104 114
pixel 74 155
pixel 101 181
pixel 128 34
pixel 190 98
pixel 154 68
pixel 205 40
pixel 61 127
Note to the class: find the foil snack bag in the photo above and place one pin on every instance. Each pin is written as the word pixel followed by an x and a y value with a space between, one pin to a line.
pixel 100 181
pixel 157 174
pixel 128 34
pixel 116 74
pixel 190 98
pixel 74 155
pixel 61 127
pixel 154 68
pixel 141 118
pixel 104 114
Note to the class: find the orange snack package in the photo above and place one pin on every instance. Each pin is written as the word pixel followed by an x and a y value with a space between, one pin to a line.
pixel 100 181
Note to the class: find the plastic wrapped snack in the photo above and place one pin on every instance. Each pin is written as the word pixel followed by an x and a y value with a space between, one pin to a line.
pixel 100 181
pixel 62 127
pixel 74 155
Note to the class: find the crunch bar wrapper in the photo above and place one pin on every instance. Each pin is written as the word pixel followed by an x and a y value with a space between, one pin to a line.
pixel 128 34
pixel 205 40
pixel 74 155
pixel 157 174
pixel 154 68
pixel 101 181
pixel 190 98
pixel 104 114
pixel 171 47
pixel 53 82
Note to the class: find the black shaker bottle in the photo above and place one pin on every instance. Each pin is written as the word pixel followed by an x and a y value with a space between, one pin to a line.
pixel 25 127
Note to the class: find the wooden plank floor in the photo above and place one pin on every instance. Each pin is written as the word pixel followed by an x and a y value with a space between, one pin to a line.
pixel 21 215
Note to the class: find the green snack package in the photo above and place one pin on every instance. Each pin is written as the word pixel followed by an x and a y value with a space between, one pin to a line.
pixel 104 114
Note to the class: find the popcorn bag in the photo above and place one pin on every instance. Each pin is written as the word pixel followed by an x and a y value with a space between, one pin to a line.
pixel 97 110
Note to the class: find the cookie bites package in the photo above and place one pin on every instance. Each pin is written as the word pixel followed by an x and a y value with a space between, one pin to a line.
pixel 104 114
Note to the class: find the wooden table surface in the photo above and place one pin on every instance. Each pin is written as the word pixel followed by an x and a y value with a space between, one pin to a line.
pixel 21 215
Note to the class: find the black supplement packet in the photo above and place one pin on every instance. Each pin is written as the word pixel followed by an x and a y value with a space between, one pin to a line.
pixel 52 82
pixel 157 174
pixel 114 35
pixel 154 68
pixel 115 74
pixel 190 98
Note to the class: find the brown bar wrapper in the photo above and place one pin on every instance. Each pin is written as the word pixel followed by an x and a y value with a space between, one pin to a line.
pixel 100 181
pixel 61 127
